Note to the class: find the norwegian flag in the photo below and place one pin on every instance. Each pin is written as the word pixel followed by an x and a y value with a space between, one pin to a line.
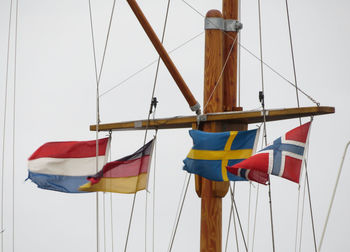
pixel 256 176
pixel 284 157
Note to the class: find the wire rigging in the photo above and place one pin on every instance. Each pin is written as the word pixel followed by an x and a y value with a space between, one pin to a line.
pixel 4 125
pixel 302 216
pixel 333 196
pixel 298 103
pixel 255 214
pixel 262 100
pixel 238 218
pixel 14 128
pixel 98 78
pixel 153 104
pixel 149 65
pixel 179 210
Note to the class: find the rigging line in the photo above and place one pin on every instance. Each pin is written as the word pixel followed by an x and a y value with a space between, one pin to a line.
pixel 297 97
pixel 310 204
pixel 93 41
pixel 262 99
pixel 333 196
pixel 157 69
pixel 267 65
pixel 150 64
pixel 297 221
pixel 14 128
pixel 234 219
pixel 228 227
pixel 221 74
pixel 179 211
pixel 4 126
pixel 106 43
pixel 154 190
pixel 111 203
pixel 132 210
pixel 280 75
pixel 238 218
pixel 255 214
pixel 112 229
pixel 98 77
pixel 162 41
pixel 249 208
pixel 130 219
pixel 149 115
pixel 302 216
pixel 293 60
pixel 104 220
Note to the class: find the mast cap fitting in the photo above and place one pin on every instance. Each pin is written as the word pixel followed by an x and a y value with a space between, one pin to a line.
pixel 218 23
pixel 197 108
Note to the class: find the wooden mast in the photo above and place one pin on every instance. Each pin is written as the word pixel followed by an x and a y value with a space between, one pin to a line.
pixel 219 94
pixel 211 192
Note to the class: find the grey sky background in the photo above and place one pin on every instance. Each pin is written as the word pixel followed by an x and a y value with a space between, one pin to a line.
pixel 55 101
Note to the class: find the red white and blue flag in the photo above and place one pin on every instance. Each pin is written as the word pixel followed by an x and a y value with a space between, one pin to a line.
pixel 283 158
pixel 64 166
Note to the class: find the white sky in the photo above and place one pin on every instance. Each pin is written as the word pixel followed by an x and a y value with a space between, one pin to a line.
pixel 56 101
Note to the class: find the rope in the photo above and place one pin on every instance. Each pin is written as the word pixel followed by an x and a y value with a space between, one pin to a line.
pixel 229 224
pixel 310 204
pixel 154 192
pixel 228 227
pixel 333 196
pixel 249 207
pixel 145 137
pixel 179 210
pixel 4 128
pixel 238 218
pixel 255 214
pixel 98 78
pixel 148 65
pixel 302 216
pixel 111 204
pixel 293 60
pixel 104 220
pixel 14 129
pixel 112 229
pixel 297 221
pixel 280 75
pixel 298 103
pixel 262 99
pixel 234 220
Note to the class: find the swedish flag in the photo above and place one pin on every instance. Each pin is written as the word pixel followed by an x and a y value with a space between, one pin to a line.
pixel 213 152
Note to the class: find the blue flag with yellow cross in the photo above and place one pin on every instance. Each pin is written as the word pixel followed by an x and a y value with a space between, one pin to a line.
pixel 213 152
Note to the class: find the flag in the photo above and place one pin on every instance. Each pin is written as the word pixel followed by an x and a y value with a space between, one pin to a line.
pixel 64 166
pixel 256 176
pixel 126 175
pixel 212 152
pixel 284 157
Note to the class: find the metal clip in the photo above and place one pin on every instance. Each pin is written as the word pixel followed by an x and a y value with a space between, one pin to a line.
pixel 231 25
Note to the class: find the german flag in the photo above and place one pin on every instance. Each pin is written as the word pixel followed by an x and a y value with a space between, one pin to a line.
pixel 126 175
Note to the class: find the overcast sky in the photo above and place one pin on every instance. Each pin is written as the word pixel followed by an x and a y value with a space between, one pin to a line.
pixel 55 101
